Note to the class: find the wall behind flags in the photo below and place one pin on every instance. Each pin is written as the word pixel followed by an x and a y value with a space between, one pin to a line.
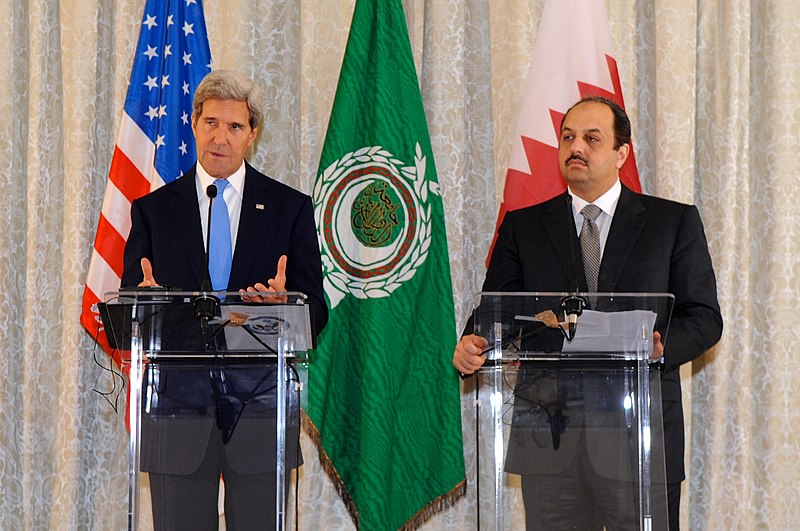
pixel 712 86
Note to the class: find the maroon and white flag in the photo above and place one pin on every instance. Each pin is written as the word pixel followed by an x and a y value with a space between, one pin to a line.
pixel 573 57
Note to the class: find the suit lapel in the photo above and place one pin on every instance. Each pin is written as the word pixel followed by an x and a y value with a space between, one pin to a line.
pixel 557 222
pixel 185 210
pixel 629 220
pixel 256 208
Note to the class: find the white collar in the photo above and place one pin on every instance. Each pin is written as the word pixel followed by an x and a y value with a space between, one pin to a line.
pixel 606 202
pixel 236 179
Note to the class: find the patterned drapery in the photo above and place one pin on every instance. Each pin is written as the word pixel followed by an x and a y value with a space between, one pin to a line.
pixel 712 87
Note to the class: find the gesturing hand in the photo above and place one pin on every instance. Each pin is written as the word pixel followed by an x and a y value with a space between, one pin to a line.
pixel 147 272
pixel 274 285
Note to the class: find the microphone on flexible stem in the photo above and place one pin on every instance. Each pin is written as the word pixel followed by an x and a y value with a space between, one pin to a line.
pixel 573 303
pixel 206 306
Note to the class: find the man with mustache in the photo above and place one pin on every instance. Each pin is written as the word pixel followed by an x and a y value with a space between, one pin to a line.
pixel 647 244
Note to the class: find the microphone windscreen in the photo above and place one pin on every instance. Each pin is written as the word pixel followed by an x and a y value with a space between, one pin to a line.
pixel 211 191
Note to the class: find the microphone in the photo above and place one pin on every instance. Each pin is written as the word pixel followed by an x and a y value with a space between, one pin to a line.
pixel 573 304
pixel 206 306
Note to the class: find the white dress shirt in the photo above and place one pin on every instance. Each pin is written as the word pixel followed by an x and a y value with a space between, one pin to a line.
pixel 607 204
pixel 233 194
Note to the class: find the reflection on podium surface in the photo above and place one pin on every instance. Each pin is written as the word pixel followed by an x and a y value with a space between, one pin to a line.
pixel 211 400
pixel 570 431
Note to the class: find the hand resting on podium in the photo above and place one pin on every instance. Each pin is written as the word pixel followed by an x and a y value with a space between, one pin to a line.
pixel 469 355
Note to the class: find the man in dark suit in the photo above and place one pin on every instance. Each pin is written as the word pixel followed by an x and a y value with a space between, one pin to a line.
pixel 647 245
pixel 219 420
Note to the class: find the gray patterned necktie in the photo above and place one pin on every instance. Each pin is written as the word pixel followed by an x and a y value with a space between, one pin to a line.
pixel 590 246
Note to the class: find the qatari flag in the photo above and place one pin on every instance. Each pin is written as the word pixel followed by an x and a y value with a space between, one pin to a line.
pixel 573 57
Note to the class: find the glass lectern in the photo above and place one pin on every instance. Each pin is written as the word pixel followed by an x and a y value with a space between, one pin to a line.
pixel 569 417
pixel 239 369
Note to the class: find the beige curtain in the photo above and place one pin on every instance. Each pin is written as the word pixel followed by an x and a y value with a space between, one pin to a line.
pixel 712 86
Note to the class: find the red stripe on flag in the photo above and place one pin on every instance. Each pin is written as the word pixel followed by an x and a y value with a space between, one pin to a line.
pixel 525 189
pixel 126 177
pixel 91 322
pixel 110 245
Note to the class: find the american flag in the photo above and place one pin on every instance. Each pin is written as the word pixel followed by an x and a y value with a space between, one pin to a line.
pixel 155 144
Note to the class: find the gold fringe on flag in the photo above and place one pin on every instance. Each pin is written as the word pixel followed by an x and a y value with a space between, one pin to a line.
pixel 436 506
pixel 330 470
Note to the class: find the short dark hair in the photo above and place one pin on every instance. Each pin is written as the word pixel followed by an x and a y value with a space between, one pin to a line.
pixel 622 124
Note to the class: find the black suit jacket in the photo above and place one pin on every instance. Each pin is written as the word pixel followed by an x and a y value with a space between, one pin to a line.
pixel 654 245
pixel 166 228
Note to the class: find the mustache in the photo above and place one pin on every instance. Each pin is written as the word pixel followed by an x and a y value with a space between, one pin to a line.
pixel 576 157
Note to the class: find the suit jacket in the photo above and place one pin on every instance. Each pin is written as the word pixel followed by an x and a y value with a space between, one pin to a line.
pixel 654 245
pixel 166 229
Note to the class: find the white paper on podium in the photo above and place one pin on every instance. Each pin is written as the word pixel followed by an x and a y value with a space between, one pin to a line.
pixel 611 331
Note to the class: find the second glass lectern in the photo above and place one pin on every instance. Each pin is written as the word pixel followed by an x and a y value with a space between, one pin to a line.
pixel 569 429
pixel 226 383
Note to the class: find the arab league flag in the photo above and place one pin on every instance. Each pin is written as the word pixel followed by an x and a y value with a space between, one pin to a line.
pixel 383 395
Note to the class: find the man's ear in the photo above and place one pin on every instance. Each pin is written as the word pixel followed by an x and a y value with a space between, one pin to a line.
pixel 622 155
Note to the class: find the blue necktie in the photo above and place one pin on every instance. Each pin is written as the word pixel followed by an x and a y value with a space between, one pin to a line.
pixel 220 253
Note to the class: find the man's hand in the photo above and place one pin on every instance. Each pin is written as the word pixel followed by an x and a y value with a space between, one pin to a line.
pixel 147 273
pixel 658 347
pixel 274 285
pixel 467 357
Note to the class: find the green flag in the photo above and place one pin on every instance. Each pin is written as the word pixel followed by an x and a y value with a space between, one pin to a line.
pixel 383 395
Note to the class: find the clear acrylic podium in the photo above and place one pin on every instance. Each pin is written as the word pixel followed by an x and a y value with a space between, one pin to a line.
pixel 243 370
pixel 569 431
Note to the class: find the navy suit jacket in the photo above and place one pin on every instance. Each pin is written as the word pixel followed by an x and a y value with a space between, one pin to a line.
pixel 654 245
pixel 165 228
pixel 275 220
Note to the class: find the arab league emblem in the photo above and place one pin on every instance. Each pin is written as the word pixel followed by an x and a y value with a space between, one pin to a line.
pixel 373 219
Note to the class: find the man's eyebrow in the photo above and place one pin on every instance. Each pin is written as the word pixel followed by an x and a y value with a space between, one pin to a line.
pixel 590 130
